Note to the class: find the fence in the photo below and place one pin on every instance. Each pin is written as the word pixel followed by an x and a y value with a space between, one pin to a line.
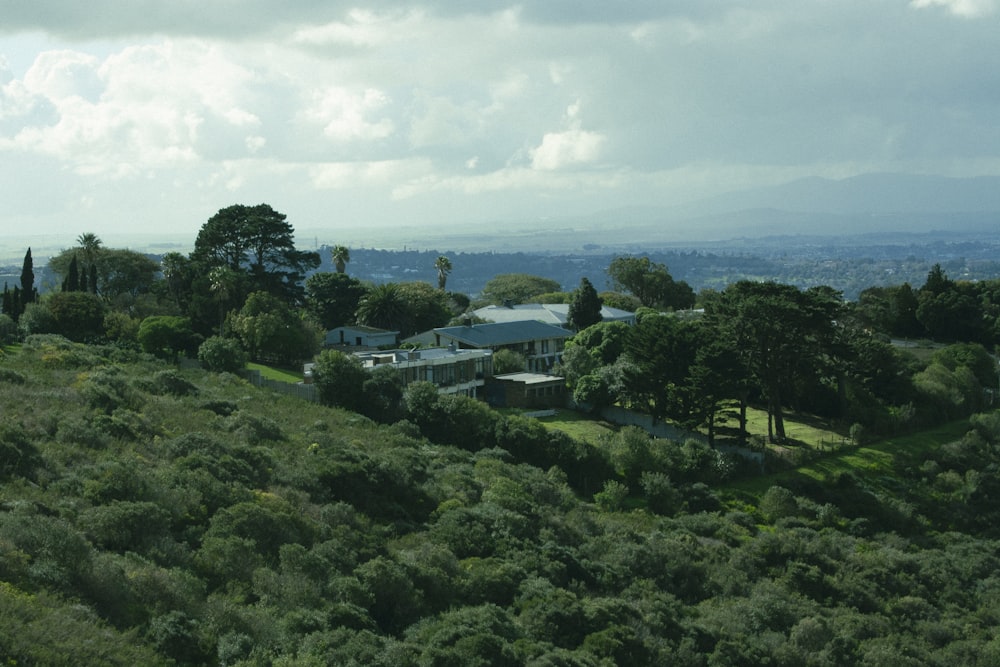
pixel 306 392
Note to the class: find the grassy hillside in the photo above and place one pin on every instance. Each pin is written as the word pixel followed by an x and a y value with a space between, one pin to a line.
pixel 155 516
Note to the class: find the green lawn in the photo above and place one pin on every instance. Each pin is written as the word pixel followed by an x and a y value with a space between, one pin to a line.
pixel 578 425
pixel 882 458
pixel 275 373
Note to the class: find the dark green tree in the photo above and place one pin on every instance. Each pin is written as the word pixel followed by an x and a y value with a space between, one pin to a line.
pixel 258 242
pixel 333 298
pixel 340 379
pixel 72 281
pixel 426 307
pixel 272 330
pixel 341 255
pixel 384 307
pixel 584 306
pixel 167 336
pixel 780 332
pixel 78 315
pixel 28 292
pixel 443 266
pixel 650 282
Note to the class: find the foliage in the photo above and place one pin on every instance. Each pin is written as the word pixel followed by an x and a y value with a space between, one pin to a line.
pixel 155 516
pixel 77 315
pixel 272 330
pixel 258 244
pixel 584 306
pixel 340 379
pixel 333 298
pixel 167 336
pixel 650 283
pixel 508 361
pixel 514 288
pixel 222 355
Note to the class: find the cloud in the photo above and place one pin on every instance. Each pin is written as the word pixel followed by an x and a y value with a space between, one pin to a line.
pixel 963 8
pixel 570 147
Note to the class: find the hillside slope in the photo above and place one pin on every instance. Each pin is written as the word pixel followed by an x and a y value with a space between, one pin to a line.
pixel 152 515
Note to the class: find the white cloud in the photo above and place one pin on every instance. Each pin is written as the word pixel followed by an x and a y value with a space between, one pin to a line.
pixel 573 146
pixel 346 115
pixel 963 8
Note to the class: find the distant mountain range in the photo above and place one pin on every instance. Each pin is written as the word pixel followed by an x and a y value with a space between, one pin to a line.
pixel 871 203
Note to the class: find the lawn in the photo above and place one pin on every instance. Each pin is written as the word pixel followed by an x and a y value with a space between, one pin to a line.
pixel 886 457
pixel 276 373
pixel 578 425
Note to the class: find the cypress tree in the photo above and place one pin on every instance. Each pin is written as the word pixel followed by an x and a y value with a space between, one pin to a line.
pixel 7 303
pixel 27 281
pixel 17 307
pixel 93 279
pixel 73 276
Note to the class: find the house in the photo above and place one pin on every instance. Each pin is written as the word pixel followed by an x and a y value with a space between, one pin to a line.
pixel 527 390
pixel 541 344
pixel 454 371
pixel 556 314
pixel 361 336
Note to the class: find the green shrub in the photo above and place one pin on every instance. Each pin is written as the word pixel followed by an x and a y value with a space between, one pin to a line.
pixel 220 355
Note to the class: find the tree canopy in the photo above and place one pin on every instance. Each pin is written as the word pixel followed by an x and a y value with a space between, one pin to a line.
pixel 514 288
pixel 257 242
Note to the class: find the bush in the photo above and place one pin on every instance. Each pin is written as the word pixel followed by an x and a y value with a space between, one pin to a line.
pixel 222 355
pixel 8 329
pixel 166 336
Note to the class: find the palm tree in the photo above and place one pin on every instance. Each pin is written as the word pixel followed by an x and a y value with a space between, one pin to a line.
pixel 383 307
pixel 443 266
pixel 89 242
pixel 341 256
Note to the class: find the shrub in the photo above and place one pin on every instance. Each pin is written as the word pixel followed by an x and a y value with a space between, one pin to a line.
pixel 221 355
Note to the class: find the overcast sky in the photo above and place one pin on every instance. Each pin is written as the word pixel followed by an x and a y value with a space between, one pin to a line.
pixel 150 115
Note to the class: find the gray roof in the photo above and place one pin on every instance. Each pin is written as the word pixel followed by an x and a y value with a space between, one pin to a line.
pixel 552 313
pixel 503 333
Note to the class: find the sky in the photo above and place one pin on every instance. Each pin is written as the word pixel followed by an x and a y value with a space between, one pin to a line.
pixel 149 116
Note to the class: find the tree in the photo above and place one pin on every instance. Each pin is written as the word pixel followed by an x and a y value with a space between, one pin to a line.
pixel 167 335
pixel 443 266
pixel 333 298
pixel 116 274
pixel 223 282
pixel 272 330
pixel 781 333
pixel 78 316
pixel 340 379
pixel 382 393
pixel 28 293
pixel 513 288
pixel 383 307
pixel 584 306
pixel 257 242
pixel 426 307
pixel 340 256
pixel 220 355
pixel 71 283
pixel 508 361
pixel 650 282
